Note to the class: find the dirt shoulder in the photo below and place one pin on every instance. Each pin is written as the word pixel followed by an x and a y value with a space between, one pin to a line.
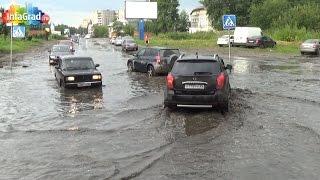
pixel 4 57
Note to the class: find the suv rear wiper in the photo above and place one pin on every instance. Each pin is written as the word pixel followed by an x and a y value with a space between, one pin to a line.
pixel 202 73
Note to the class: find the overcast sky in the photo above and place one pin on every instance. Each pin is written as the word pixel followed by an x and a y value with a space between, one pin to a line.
pixel 72 12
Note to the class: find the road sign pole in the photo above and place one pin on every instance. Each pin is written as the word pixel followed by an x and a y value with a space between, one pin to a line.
pixel 11 46
pixel 229 47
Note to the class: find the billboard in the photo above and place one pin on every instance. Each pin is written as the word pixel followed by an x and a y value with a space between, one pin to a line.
pixel 141 10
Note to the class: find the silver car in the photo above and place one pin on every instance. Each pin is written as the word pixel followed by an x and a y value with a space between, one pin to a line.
pixel 129 45
pixel 310 46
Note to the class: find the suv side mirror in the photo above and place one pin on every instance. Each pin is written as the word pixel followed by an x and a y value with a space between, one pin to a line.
pixel 229 67
pixel 97 65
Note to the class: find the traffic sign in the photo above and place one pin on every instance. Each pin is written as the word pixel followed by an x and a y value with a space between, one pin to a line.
pixel 19 32
pixel 229 21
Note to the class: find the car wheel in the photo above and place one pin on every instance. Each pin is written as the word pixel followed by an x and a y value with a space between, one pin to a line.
pixel 220 45
pixel 302 53
pixel 130 67
pixel 317 52
pixel 151 71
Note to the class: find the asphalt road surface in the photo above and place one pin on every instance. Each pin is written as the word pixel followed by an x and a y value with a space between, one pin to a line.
pixel 122 131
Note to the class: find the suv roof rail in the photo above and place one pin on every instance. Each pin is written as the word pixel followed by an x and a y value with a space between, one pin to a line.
pixel 215 56
pixel 181 56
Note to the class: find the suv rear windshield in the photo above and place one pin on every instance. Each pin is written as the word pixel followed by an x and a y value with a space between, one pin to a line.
pixel 196 67
pixel 169 52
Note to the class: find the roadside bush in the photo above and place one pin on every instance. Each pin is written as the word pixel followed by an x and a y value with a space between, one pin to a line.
pixel 188 36
pixel 293 33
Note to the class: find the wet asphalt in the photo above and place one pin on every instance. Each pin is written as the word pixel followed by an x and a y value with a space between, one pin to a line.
pixel 122 131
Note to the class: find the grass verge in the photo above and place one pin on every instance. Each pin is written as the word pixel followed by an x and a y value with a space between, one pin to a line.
pixel 18 45
pixel 208 41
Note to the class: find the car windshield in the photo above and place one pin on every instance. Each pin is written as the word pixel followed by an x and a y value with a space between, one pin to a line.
pixel 196 67
pixel 60 49
pixel 78 64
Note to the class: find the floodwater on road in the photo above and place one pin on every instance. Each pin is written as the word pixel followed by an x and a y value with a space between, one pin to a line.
pixel 121 131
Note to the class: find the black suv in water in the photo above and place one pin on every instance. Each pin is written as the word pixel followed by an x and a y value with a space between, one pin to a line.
pixel 72 71
pixel 155 60
pixel 198 81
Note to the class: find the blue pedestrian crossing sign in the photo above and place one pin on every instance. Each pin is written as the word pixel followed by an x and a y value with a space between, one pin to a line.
pixel 229 21
pixel 19 32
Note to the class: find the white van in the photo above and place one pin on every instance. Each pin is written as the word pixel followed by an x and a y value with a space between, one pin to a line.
pixel 242 33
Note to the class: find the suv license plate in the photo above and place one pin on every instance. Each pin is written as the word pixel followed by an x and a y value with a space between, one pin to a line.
pixel 85 84
pixel 194 86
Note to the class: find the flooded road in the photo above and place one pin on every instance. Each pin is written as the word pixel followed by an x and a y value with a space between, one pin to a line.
pixel 122 131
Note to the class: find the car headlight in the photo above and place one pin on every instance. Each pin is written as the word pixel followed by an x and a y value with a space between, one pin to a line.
pixel 96 77
pixel 70 78
pixel 52 57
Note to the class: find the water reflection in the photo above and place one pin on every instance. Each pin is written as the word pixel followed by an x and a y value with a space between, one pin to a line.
pixel 74 101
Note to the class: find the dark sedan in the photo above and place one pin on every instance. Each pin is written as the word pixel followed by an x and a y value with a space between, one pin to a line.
pixel 57 51
pixel 72 71
pixel 260 41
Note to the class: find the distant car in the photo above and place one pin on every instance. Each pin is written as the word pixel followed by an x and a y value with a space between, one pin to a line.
pixel 72 71
pixel 88 36
pixel 198 81
pixel 75 39
pixel 129 45
pixel 260 41
pixel 224 40
pixel 118 41
pixel 57 51
pixel 69 43
pixel 154 61
pixel 113 40
pixel 310 46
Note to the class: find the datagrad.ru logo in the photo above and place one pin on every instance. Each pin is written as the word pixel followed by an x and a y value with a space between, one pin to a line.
pixel 27 15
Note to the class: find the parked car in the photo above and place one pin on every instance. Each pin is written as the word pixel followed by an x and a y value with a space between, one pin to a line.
pixel 75 39
pixel 153 60
pixel 118 41
pixel 72 71
pixel 69 43
pixel 57 51
pixel 198 81
pixel 88 36
pixel 129 45
pixel 224 40
pixel 260 41
pixel 310 46
pixel 241 34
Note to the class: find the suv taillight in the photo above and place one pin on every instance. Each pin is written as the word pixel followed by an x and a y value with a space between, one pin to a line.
pixel 257 41
pixel 170 81
pixel 221 81
pixel 158 58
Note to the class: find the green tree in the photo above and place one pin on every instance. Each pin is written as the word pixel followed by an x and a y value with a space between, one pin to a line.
pixel 129 29
pixel 183 22
pixel 301 16
pixel 217 8
pixel 118 27
pixel 100 31
pixel 264 14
